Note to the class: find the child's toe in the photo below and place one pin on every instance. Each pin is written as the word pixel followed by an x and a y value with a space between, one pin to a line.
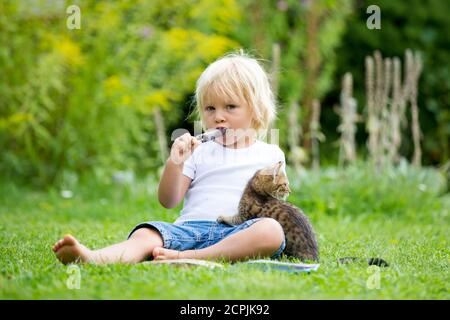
pixel 156 252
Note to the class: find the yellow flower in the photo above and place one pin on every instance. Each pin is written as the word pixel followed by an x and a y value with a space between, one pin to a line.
pixel 15 119
pixel 126 100
pixel 70 51
pixel 222 15
pixel 113 83
pixel 108 15
pixel 20 117
pixel 178 39
pixel 211 47
pixel 158 98
pixel 393 241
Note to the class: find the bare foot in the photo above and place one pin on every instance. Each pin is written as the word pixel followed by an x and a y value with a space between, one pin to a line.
pixel 68 250
pixel 166 254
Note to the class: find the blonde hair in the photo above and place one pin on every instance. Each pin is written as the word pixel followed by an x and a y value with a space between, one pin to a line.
pixel 242 75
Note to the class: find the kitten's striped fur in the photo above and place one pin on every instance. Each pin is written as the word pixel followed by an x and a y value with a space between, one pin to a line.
pixel 262 197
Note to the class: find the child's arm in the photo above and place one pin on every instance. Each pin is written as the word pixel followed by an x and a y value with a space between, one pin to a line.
pixel 174 183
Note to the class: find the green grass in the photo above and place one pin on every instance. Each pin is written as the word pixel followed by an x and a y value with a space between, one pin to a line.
pixel 401 215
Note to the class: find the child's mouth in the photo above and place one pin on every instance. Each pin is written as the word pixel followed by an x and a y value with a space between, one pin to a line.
pixel 223 129
pixel 224 133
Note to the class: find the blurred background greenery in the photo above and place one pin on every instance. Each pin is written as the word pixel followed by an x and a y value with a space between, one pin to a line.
pixel 95 100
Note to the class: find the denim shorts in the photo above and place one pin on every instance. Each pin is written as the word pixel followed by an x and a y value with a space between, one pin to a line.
pixel 197 234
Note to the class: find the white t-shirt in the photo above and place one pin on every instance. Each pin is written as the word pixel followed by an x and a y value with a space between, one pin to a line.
pixel 219 176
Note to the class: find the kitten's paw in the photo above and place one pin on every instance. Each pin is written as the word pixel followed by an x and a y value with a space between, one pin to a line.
pixel 220 219
pixel 223 219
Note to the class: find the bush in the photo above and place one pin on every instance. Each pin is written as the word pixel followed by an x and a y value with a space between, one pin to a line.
pixel 417 25
pixel 361 190
pixel 82 101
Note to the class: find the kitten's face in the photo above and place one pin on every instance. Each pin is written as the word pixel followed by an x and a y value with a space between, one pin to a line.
pixel 272 181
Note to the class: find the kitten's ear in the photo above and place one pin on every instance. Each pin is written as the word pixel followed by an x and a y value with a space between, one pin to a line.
pixel 276 170
pixel 279 166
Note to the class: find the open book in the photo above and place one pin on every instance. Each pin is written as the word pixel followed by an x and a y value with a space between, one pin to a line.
pixel 283 266
pixel 189 263
pixel 261 263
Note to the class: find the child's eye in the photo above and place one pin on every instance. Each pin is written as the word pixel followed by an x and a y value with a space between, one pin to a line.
pixel 209 108
pixel 231 106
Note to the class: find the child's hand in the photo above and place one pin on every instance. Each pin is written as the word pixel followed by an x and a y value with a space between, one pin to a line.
pixel 183 147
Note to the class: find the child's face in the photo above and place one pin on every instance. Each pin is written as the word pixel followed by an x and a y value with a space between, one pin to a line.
pixel 231 113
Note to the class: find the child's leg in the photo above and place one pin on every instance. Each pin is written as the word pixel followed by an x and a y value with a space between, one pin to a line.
pixel 262 238
pixel 136 249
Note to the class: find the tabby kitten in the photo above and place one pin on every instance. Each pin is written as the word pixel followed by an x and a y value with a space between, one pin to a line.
pixel 264 197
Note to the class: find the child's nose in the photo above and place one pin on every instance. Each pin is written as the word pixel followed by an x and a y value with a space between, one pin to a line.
pixel 219 117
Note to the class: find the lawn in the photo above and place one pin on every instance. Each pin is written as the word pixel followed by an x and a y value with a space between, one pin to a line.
pixel 400 215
